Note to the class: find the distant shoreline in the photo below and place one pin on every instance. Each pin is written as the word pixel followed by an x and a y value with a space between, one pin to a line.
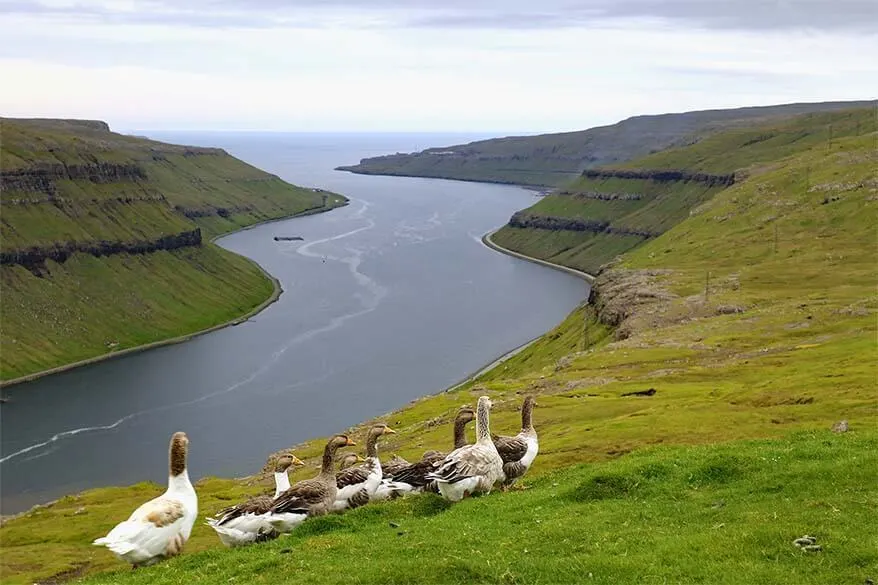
pixel 539 188
pixel 275 295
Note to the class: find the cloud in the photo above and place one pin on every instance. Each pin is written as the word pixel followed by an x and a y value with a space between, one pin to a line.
pixel 854 15
pixel 374 66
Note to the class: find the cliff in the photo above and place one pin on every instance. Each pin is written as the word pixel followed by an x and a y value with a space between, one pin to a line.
pixel 35 257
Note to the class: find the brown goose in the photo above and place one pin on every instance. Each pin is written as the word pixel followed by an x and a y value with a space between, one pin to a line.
pixel 247 522
pixel 473 468
pixel 518 452
pixel 309 497
pixel 348 460
pixel 356 485
pixel 413 477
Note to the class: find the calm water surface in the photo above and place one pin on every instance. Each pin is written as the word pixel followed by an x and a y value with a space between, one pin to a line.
pixel 386 300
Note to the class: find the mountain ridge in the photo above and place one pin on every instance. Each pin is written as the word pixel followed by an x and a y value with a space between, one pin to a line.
pixel 551 160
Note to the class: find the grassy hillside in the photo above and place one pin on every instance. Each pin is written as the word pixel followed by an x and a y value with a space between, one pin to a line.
pixel 630 210
pixel 552 160
pixel 742 335
pixel 717 514
pixel 104 240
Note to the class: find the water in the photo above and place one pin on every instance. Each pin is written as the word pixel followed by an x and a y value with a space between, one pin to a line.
pixel 386 300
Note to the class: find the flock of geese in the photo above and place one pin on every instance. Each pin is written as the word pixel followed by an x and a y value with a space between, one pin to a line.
pixel 159 528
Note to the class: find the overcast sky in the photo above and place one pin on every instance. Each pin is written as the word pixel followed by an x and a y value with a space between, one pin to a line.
pixel 424 65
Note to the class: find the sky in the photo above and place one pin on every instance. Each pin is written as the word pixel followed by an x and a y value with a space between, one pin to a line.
pixel 488 66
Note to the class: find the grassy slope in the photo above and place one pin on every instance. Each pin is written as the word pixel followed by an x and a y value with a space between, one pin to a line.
pixel 156 296
pixel 553 160
pixel 725 514
pixel 189 177
pixel 666 204
pixel 86 306
pixel 799 357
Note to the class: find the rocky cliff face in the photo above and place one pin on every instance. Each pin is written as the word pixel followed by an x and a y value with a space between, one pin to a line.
pixel 626 299
pixel 523 219
pixel 191 212
pixel 34 258
pixel 602 196
pixel 662 176
pixel 41 178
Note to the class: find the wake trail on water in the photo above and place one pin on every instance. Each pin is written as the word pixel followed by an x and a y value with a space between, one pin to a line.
pixel 353 262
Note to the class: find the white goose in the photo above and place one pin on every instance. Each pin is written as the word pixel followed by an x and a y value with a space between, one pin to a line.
pixel 160 527
pixel 357 484
pixel 247 522
pixel 474 468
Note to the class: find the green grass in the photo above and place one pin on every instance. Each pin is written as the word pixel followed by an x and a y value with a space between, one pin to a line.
pixel 87 306
pixel 668 488
pixel 708 514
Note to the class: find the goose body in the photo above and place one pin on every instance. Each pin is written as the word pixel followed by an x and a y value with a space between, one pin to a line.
pixel 357 484
pixel 160 527
pixel 394 465
pixel 310 497
pixel 518 452
pixel 472 468
pixel 413 476
pixel 248 522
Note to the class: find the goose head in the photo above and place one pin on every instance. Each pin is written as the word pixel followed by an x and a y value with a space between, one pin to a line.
pixel 350 459
pixel 285 461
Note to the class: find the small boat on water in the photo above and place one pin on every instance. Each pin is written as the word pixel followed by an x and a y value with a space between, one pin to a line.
pixel 288 238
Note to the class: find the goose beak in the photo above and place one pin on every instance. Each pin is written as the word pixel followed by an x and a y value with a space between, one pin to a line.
pixel 360 458
pixel 389 431
pixel 351 443
pixel 297 461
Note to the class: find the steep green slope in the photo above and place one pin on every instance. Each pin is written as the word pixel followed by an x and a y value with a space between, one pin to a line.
pixel 741 335
pixel 103 240
pixel 610 210
pixel 552 160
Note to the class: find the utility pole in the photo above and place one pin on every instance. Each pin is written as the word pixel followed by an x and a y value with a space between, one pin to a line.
pixel 706 285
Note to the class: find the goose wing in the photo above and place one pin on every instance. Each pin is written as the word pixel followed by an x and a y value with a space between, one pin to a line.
pixel 463 463
pixel 511 449
pixel 416 474
pixel 353 475
pixel 394 465
pixel 301 497
pixel 258 505
pixel 148 531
